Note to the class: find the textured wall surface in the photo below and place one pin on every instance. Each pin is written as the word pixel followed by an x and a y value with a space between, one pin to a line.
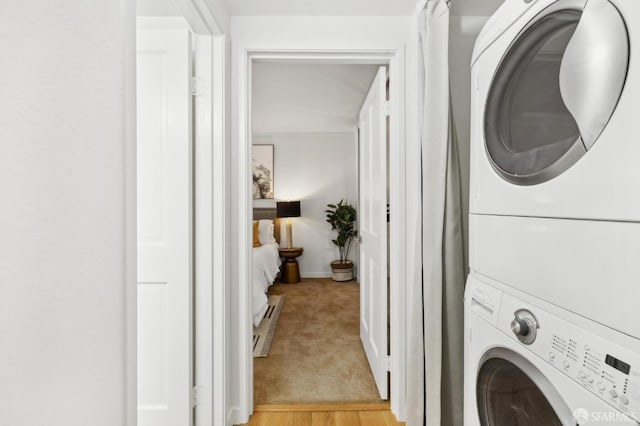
pixel 64 81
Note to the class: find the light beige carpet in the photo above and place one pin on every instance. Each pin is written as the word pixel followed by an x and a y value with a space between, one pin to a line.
pixel 316 355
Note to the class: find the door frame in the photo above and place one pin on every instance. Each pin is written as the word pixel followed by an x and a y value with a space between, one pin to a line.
pixel 209 395
pixel 396 61
pixel 210 144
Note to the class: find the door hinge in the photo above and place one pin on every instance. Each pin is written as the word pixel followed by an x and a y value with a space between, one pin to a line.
pixel 386 108
pixel 197 395
pixel 197 88
pixel 388 362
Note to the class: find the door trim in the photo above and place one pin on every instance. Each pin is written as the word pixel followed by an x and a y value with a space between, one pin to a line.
pixel 396 61
pixel 210 235
pixel 210 183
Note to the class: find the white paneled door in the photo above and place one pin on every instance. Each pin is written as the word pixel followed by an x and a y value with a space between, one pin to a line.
pixel 164 227
pixel 373 229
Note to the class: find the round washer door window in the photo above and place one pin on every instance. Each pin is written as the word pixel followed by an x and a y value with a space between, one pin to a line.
pixel 506 395
pixel 555 90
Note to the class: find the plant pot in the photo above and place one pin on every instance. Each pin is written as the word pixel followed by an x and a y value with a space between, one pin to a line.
pixel 342 271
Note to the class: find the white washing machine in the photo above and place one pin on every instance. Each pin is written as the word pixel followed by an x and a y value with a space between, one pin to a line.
pixel 530 363
pixel 555 101
pixel 555 164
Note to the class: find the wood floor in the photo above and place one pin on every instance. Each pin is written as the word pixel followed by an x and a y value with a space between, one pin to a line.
pixel 323 415
pixel 288 356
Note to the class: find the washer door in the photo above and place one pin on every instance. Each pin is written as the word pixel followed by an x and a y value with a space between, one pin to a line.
pixel 512 391
pixel 555 90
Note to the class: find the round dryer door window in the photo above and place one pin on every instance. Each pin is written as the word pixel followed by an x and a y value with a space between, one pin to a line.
pixel 555 90
pixel 510 391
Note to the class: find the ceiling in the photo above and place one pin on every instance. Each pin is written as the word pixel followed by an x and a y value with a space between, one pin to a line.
pixel 303 98
pixel 353 7
pixel 322 7
pixel 157 8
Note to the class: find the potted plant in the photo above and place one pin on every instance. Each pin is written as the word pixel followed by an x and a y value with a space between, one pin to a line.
pixel 342 218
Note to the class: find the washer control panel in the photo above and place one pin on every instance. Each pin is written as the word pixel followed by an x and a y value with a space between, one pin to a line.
pixel 601 367
pixel 606 369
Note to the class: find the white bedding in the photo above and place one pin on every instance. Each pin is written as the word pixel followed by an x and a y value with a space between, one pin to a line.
pixel 266 265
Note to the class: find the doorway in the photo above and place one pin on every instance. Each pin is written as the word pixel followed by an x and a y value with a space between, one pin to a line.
pixel 305 118
pixel 243 292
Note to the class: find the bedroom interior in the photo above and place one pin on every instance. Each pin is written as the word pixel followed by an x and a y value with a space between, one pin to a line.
pixel 314 354
pixel 308 114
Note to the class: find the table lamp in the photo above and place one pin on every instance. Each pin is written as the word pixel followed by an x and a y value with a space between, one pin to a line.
pixel 288 209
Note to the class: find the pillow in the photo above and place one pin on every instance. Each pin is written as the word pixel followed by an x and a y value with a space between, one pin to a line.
pixel 256 240
pixel 265 232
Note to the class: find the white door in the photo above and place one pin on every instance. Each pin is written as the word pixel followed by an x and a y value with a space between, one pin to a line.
pixel 164 227
pixel 373 229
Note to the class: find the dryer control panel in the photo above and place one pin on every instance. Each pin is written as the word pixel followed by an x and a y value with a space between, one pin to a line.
pixel 605 368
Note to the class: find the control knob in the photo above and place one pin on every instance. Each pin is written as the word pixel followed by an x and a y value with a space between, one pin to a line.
pixel 525 326
pixel 519 327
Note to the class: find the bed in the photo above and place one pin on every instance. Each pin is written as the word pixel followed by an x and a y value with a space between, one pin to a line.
pixel 266 260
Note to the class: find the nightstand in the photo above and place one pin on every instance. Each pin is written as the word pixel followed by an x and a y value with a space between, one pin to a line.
pixel 289 270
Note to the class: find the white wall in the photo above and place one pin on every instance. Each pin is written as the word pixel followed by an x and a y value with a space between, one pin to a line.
pixel 474 7
pixel 317 169
pixel 67 179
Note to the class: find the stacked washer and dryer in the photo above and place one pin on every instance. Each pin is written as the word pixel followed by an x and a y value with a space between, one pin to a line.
pixel 552 305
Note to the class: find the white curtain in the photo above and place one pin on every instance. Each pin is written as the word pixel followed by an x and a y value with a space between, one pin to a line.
pixel 435 333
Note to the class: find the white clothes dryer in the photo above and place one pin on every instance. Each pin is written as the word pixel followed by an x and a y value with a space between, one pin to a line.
pixel 555 167
pixel 555 101
pixel 529 363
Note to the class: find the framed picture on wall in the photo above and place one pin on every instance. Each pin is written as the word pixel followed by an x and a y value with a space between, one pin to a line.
pixel 262 168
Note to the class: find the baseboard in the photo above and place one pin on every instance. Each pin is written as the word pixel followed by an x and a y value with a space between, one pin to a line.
pixel 315 274
pixel 232 416
pixel 353 406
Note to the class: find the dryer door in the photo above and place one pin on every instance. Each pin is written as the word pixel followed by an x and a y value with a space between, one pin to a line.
pixel 555 90
pixel 512 391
